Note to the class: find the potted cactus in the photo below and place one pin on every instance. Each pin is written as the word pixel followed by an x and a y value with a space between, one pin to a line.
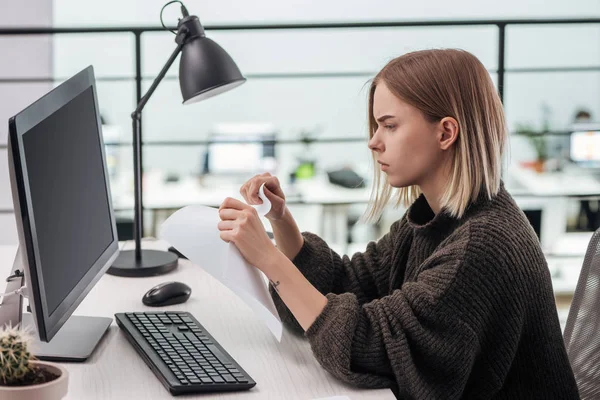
pixel 22 377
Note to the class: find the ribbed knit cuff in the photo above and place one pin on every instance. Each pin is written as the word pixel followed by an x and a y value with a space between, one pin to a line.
pixel 332 332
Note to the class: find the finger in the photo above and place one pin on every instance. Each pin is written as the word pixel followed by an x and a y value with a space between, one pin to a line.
pixel 274 186
pixel 227 214
pixel 230 202
pixel 243 190
pixel 226 236
pixel 253 191
pixel 226 225
pixel 273 198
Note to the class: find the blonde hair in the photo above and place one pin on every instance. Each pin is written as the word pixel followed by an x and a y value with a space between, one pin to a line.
pixel 447 83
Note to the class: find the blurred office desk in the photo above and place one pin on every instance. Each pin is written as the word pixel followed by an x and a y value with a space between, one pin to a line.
pixel 285 370
pixel 573 182
pixel 330 201
pixel 550 192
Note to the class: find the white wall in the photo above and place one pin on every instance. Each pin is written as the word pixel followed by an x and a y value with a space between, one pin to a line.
pixel 20 57
pixel 335 105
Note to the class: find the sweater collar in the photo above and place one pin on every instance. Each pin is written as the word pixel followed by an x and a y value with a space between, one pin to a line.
pixel 422 219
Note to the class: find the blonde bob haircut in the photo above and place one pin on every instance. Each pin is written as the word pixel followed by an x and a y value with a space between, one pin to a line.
pixel 447 83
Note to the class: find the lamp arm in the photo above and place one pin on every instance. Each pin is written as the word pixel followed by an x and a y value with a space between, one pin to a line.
pixel 138 111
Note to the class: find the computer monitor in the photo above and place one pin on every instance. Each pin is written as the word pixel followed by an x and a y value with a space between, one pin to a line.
pixel 585 148
pixel 65 220
pixel 240 150
pixel 234 156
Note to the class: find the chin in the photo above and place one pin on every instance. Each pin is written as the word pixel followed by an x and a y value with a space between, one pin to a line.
pixel 398 183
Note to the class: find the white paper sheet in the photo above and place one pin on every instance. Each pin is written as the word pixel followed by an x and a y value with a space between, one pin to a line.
pixel 193 231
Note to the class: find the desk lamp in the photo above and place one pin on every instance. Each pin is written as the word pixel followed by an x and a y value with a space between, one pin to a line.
pixel 205 70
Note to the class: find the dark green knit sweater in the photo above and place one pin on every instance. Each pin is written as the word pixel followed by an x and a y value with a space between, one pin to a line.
pixel 441 308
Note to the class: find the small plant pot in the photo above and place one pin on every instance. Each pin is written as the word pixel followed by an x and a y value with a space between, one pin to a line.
pixel 53 390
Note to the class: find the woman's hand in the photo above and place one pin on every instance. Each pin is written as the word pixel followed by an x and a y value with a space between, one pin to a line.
pixel 241 225
pixel 249 191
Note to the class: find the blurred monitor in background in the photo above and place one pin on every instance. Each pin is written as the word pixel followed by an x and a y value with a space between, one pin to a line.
pixel 584 151
pixel 240 150
pixel 585 148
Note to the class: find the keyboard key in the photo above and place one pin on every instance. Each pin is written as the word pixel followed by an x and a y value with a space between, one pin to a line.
pixel 218 379
pixel 229 378
pixel 206 380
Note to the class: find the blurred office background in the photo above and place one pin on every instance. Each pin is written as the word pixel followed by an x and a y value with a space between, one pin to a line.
pixel 303 109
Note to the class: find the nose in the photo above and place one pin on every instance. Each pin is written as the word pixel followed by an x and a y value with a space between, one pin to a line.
pixel 375 144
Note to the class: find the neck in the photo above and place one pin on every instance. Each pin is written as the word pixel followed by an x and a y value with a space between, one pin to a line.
pixel 433 189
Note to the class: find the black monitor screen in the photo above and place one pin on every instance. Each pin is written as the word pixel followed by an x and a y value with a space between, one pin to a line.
pixel 71 214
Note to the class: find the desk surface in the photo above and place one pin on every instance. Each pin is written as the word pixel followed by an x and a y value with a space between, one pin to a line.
pixel 285 370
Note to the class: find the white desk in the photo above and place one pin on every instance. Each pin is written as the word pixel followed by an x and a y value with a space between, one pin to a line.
pixel 285 370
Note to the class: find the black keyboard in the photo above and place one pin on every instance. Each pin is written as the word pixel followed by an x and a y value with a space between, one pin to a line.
pixel 181 353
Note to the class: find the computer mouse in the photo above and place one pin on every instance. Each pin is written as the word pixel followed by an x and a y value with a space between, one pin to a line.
pixel 166 294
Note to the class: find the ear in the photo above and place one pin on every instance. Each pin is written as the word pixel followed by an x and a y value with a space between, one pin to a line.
pixel 449 131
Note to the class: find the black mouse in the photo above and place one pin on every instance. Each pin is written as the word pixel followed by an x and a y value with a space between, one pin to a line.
pixel 166 294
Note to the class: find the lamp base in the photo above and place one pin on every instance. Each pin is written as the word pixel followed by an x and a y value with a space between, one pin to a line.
pixel 152 263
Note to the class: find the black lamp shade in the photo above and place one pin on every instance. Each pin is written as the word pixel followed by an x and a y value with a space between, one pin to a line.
pixel 205 70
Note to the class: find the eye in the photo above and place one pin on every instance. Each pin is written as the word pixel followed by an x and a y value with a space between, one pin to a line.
pixel 389 127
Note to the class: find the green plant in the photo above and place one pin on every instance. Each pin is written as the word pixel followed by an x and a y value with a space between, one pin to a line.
pixel 14 355
pixel 537 140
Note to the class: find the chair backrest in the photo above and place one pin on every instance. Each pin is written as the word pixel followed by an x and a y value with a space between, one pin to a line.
pixel 582 332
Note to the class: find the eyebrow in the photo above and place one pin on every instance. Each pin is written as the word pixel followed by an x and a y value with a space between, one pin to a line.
pixel 384 117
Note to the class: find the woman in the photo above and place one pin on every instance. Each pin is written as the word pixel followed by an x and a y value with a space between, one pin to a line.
pixel 456 300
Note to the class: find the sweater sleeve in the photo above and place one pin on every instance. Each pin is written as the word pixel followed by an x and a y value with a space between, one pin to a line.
pixel 419 339
pixel 366 275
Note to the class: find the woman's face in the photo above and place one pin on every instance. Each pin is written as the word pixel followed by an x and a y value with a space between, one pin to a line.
pixel 407 146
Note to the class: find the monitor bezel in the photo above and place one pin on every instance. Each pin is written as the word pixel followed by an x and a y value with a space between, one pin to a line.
pixel 49 324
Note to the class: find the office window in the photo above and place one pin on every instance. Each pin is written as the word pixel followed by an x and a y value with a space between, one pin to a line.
pixel 325 106
pixel 172 162
pixel 541 46
pixel 111 54
pixel 532 97
pixel 326 50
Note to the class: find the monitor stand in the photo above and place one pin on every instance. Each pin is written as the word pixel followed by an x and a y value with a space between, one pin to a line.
pixel 75 340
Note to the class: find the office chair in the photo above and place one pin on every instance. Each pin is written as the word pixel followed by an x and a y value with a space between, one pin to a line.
pixel 582 332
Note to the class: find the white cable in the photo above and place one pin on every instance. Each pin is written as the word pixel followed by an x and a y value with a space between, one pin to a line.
pixel 19 291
